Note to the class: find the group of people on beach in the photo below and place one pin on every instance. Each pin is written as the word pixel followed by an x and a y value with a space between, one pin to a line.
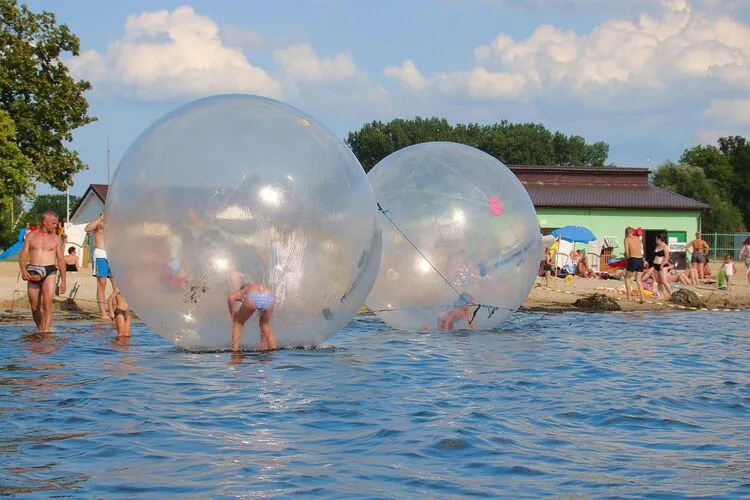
pixel 662 274
pixel 44 267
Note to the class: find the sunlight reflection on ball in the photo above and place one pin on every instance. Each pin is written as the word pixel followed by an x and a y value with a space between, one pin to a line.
pixel 239 189
pixel 474 224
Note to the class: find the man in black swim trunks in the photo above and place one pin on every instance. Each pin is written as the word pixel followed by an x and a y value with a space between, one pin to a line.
pixel 44 251
pixel 634 255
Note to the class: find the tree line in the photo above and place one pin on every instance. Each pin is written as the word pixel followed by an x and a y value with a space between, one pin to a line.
pixel 511 143
pixel 718 176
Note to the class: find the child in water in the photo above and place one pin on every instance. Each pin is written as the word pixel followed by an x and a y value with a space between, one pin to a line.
pixel 120 312
pixel 459 311
pixel 254 297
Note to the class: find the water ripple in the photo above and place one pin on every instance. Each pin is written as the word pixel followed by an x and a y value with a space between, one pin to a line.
pixel 566 405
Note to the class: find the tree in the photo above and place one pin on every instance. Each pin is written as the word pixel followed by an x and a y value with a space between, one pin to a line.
pixel 44 102
pixel 691 181
pixel 12 210
pixel 731 144
pixel 42 202
pixel 716 165
pixel 511 143
pixel 14 165
pixel 741 191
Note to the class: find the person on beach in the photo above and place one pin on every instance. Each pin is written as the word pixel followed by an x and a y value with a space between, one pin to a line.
pixel 119 310
pixel 634 256
pixel 729 271
pixel 547 267
pixel 44 251
pixel 71 260
pixel 253 297
pixel 698 260
pixel 745 256
pixel 584 270
pixel 661 258
pixel 101 264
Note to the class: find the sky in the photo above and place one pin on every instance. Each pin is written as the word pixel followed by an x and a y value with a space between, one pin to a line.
pixel 649 77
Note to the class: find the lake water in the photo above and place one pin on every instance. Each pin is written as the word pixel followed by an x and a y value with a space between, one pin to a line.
pixel 610 405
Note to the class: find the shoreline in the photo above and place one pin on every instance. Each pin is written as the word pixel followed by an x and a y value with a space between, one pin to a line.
pixel 14 306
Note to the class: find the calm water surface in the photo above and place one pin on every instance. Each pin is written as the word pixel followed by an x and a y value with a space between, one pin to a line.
pixel 563 405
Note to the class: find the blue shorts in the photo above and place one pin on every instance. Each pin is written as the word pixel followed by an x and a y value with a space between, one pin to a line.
pixel 101 268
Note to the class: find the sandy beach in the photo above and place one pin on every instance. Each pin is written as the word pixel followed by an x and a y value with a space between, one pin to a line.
pixel 14 304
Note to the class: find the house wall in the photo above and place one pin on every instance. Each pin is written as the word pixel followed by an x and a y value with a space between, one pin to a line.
pixel 612 222
pixel 89 209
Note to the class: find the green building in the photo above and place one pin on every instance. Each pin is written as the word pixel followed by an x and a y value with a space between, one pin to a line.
pixel 607 200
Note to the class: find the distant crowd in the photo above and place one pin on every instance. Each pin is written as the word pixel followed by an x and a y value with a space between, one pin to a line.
pixel 662 274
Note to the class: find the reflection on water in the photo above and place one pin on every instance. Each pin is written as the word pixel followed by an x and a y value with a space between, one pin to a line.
pixel 569 404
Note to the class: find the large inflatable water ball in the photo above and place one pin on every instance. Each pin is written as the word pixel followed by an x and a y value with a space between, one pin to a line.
pixel 460 239
pixel 235 200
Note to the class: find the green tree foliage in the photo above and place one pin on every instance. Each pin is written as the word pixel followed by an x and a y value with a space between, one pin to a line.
pixel 42 202
pixel 14 165
pixel 741 185
pixel 11 210
pixel 512 143
pixel 728 167
pixel 44 102
pixel 691 181
pixel 716 165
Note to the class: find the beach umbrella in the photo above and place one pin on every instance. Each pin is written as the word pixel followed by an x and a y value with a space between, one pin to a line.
pixel 574 234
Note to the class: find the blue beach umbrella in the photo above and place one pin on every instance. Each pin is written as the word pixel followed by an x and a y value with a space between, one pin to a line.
pixel 574 234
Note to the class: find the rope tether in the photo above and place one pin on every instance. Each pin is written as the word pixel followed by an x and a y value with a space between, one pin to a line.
pixel 491 309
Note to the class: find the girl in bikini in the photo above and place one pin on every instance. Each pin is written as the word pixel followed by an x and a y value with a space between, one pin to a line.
pixel 119 310
pixel 253 297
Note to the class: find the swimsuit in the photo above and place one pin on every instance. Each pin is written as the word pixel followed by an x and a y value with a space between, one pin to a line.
pixel 71 268
pixel 263 300
pixel 698 257
pixel 729 269
pixel 660 253
pixel 40 273
pixel 121 312
pixel 101 264
pixel 635 265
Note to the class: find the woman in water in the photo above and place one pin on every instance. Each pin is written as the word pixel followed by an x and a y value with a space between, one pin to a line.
pixel 253 297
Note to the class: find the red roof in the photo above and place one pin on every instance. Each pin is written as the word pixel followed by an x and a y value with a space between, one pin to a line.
pixel 100 190
pixel 598 187
pixel 599 196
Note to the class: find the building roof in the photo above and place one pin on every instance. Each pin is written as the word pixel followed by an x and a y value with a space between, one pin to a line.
pixel 598 187
pixel 98 190
pixel 598 196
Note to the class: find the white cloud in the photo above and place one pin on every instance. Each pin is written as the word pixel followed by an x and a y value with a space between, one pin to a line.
pixel 178 53
pixel 733 110
pixel 602 66
pixel 408 74
pixel 302 63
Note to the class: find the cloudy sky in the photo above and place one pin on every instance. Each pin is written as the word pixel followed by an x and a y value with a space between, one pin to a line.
pixel 650 77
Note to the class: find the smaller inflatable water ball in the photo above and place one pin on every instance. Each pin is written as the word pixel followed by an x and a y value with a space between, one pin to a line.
pixel 236 206
pixel 460 239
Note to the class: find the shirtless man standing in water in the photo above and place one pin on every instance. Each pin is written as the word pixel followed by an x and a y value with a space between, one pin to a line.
pixel 634 255
pixel 44 251
pixel 101 264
